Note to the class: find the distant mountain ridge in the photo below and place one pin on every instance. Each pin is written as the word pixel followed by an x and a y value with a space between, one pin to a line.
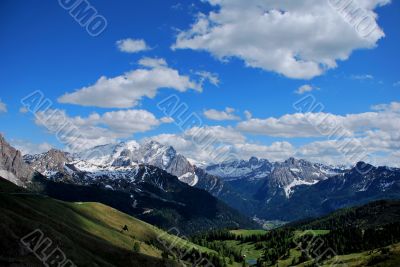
pixel 217 179
pixel 256 187
pixel 138 189
pixel 346 189
pixel 276 175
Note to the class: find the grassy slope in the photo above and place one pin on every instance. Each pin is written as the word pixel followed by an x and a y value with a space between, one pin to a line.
pixel 89 233
pixel 352 260
pixel 391 259
pixel 375 257
pixel 252 253
pixel 244 233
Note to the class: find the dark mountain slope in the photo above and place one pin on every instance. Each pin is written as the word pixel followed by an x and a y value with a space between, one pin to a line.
pixel 348 189
pixel 175 204
pixel 88 233
pixel 372 215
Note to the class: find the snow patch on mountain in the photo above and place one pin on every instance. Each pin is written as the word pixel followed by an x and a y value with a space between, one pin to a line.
pixel 254 168
pixel 289 189
pixel 189 178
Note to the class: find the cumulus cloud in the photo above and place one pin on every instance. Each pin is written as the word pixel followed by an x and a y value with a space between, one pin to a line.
pixel 376 147
pixel 370 136
pixel 132 45
pixel 305 88
pixel 78 133
pixel 152 62
pixel 277 151
pixel 294 38
pixel 392 107
pixel 342 139
pixel 343 151
pixel 127 90
pixel 322 124
pixel 290 125
pixel 224 115
pixel 129 121
pixel 218 133
pixel 27 147
pixel 215 144
pixel 3 107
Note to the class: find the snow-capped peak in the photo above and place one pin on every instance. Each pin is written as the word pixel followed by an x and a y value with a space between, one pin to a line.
pixel 117 156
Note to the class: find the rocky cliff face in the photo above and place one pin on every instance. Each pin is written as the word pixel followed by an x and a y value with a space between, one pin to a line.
pixel 294 172
pixel 346 189
pixel 252 169
pixel 131 153
pixel 48 163
pixel 12 165
pixel 265 178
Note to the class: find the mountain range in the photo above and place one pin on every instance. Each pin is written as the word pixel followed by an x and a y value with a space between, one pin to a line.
pixel 142 190
pixel 289 190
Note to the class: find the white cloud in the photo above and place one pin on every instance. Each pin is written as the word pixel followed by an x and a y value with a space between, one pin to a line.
pixel 370 136
pixel 153 62
pixel 305 88
pixel 218 133
pixel 3 107
pixel 376 147
pixel 27 147
pixel 298 39
pixel 290 125
pixel 343 139
pixel 392 107
pixel 396 84
pixel 362 77
pixel 167 120
pixel 277 151
pixel 127 90
pixel 217 143
pixel 346 151
pixel 248 114
pixel 132 45
pixel 129 121
pixel 217 115
pixel 23 110
pixel 208 76
pixel 78 133
pixel 323 124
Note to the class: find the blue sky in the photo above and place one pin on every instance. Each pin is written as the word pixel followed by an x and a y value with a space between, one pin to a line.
pixel 44 48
